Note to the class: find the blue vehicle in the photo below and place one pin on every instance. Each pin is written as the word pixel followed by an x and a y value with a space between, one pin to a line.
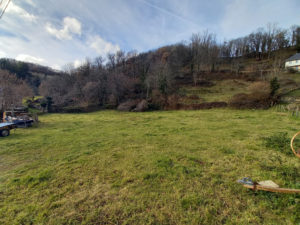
pixel 16 118
pixel 20 119
pixel 5 129
pixel 22 123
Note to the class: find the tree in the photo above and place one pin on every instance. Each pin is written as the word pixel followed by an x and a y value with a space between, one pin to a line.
pixel 12 90
pixel 49 103
pixel 274 86
pixel 295 37
pixel 43 104
pixel 196 52
pixel 205 53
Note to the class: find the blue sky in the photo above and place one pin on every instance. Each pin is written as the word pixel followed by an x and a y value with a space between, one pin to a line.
pixel 56 32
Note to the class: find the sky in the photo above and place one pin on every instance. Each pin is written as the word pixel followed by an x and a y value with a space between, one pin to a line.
pixel 56 33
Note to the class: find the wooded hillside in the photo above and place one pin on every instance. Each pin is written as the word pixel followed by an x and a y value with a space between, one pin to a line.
pixel 155 77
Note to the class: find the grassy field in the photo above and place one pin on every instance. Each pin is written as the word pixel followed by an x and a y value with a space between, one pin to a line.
pixel 172 167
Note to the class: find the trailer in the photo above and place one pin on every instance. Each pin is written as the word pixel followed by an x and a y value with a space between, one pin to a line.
pixel 22 123
pixel 5 129
pixel 19 117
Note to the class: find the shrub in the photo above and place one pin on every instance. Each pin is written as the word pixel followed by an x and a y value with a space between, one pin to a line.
pixel 173 102
pixel 76 109
pixel 193 97
pixel 259 98
pixel 112 102
pixel 157 101
pixel 291 70
pixel 205 83
pixel 260 87
pixel 239 101
pixel 250 101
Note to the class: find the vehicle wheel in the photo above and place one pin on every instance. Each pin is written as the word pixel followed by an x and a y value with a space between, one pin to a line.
pixel 4 133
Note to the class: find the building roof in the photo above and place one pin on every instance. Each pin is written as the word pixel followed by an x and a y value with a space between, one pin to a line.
pixel 294 57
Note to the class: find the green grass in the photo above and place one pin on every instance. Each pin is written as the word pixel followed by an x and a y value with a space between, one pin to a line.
pixel 295 93
pixel 222 91
pixel 292 76
pixel 172 167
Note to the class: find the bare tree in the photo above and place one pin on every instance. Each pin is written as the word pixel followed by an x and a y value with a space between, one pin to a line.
pixel 205 52
pixel 12 90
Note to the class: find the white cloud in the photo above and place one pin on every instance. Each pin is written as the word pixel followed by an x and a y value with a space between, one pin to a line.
pixel 30 2
pixel 29 58
pixel 102 46
pixel 77 63
pixel 139 26
pixel 70 26
pixel 17 10
pixel 2 54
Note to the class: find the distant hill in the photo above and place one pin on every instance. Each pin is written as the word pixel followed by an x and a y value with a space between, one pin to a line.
pixel 22 68
pixel 32 73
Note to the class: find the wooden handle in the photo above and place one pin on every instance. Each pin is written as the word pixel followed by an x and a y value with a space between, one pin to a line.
pixel 292 147
pixel 279 190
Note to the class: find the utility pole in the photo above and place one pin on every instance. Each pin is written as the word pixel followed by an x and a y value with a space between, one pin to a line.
pixel 3 6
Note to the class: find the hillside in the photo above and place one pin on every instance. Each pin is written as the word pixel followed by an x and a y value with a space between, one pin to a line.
pixel 33 74
pixel 187 90
pixel 175 167
pixel 198 74
pixel 223 90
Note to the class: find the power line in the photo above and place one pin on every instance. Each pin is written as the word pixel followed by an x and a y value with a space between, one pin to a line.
pixel 4 8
